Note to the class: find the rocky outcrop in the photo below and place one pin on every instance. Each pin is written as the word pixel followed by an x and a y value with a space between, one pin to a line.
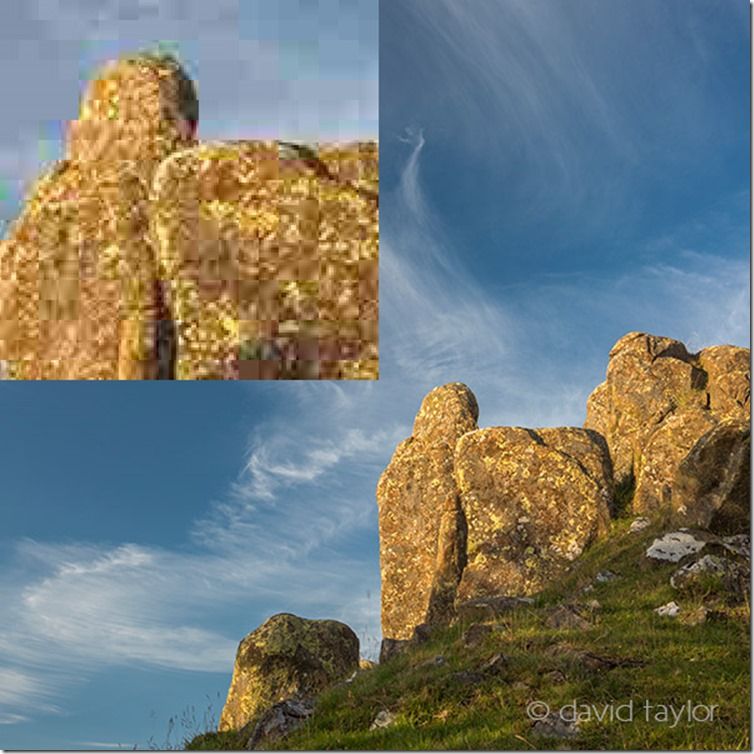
pixel 467 513
pixel 533 500
pixel 665 449
pixel 728 379
pixel 142 255
pixel 469 516
pixel 287 657
pixel 421 524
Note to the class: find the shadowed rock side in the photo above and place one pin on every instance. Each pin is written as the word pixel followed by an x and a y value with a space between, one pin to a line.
pixel 78 280
pixel 421 525
pixel 469 516
pixel 271 259
pixel 142 255
pixel 287 657
pixel 728 379
pixel 711 484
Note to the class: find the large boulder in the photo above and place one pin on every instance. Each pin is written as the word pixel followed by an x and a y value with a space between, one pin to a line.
pixel 532 500
pixel 662 455
pixel 79 291
pixel 711 485
pixel 422 529
pixel 287 657
pixel 648 378
pixel 271 256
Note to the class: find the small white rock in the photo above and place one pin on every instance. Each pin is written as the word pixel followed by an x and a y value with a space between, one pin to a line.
pixel 384 719
pixel 604 576
pixel 670 610
pixel 639 523
pixel 674 546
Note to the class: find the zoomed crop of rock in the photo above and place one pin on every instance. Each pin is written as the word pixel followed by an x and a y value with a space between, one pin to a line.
pixel 147 254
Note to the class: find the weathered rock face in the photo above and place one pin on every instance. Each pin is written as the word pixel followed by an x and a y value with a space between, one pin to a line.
pixel 648 378
pixel 287 657
pixel 533 500
pixel 79 295
pixel 421 525
pixel 711 484
pixel 251 260
pixel 446 413
pixel 277 722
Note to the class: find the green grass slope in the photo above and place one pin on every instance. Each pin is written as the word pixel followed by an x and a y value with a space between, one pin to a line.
pixel 645 659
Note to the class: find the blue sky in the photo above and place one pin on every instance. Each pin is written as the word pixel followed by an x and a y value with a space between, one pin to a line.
pixel 553 175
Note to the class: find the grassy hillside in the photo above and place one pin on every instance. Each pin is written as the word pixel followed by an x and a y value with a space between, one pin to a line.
pixel 445 694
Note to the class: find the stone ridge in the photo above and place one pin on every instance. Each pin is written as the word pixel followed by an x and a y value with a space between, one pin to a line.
pixel 469 514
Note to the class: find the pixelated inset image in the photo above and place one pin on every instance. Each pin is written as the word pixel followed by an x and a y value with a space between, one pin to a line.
pixel 147 253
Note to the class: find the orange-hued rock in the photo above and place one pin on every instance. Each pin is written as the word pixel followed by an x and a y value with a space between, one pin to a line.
pixel 421 525
pixel 598 409
pixel 657 402
pixel 470 515
pixel 287 657
pixel 144 255
pixel 264 250
pixel 533 500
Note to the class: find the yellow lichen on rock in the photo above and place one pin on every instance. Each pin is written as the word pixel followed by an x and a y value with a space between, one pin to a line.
pixel 531 505
pixel 421 527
